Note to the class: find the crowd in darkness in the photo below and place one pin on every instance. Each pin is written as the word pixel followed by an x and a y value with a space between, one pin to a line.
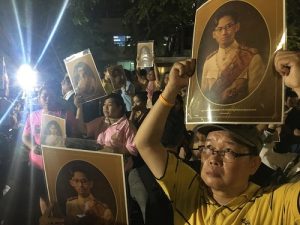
pixel 24 199
pixel 120 111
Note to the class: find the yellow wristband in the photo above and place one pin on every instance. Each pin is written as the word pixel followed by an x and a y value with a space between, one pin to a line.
pixel 165 102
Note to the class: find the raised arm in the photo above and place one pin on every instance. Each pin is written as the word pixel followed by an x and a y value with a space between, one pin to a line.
pixel 287 63
pixel 149 134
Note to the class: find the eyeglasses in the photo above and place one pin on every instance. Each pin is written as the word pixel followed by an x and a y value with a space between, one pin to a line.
pixel 226 155
pixel 82 181
pixel 225 28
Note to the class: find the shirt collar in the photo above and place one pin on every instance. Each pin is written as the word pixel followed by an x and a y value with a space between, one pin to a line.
pixel 223 51
pixel 68 94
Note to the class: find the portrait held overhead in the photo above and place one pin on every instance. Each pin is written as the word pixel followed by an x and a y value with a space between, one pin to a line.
pixel 145 54
pixel 150 112
pixel 233 64
pixel 229 158
pixel 84 76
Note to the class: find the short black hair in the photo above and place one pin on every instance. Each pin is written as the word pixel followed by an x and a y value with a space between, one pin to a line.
pixel 51 86
pixel 79 169
pixel 143 72
pixel 117 98
pixel 290 93
pixel 142 95
pixel 221 14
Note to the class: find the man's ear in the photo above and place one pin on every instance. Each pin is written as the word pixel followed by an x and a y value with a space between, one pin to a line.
pixel 214 35
pixel 255 162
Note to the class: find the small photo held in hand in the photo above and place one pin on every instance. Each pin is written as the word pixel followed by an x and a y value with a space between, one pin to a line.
pixel 84 76
pixel 145 54
pixel 53 131
pixel 117 76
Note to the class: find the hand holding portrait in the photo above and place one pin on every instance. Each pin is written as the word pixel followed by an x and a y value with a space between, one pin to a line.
pixel 49 217
pixel 287 64
pixel 180 74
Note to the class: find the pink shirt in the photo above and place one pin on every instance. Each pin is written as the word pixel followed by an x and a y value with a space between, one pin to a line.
pixel 118 135
pixel 33 128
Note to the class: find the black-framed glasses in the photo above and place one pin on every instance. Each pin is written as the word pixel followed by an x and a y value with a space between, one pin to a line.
pixel 226 155
pixel 225 28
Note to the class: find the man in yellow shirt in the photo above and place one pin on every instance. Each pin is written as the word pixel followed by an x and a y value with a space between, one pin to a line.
pixel 222 194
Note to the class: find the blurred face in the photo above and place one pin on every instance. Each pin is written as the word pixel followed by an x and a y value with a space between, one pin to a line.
pixel 65 86
pixel 106 75
pixel 138 102
pixel 166 79
pixel 119 78
pixel 111 109
pixel 231 177
pixel 225 31
pixel 81 184
pixel 85 83
pixel 151 75
pixel 47 99
pixel 53 130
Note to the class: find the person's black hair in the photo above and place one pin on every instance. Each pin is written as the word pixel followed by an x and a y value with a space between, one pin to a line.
pixel 143 73
pixel 81 169
pixel 117 98
pixel 67 79
pixel 290 93
pixel 117 69
pixel 53 122
pixel 51 86
pixel 87 69
pixel 142 95
pixel 128 75
pixel 221 14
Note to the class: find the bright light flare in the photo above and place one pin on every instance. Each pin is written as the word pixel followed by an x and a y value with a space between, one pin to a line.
pixel 27 77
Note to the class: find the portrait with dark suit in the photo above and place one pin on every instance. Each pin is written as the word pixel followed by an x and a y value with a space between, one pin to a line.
pixel 86 195
pixel 85 187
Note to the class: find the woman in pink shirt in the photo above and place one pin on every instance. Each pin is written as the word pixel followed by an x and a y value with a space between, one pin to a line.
pixel 113 131
pixel 49 103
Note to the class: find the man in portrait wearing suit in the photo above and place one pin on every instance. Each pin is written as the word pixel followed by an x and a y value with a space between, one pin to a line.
pixel 233 71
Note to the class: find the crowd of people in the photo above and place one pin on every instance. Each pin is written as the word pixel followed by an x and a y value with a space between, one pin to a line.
pixel 211 174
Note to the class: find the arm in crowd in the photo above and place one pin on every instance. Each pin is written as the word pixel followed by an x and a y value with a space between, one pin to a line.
pixel 287 64
pixel 150 132
pixel 79 115
pixel 157 78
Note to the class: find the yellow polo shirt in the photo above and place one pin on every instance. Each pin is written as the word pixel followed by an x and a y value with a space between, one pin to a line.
pixel 256 206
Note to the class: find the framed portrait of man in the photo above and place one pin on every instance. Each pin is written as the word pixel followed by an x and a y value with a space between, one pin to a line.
pixel 234 44
pixel 53 130
pixel 84 76
pixel 145 54
pixel 85 187
pixel 117 76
